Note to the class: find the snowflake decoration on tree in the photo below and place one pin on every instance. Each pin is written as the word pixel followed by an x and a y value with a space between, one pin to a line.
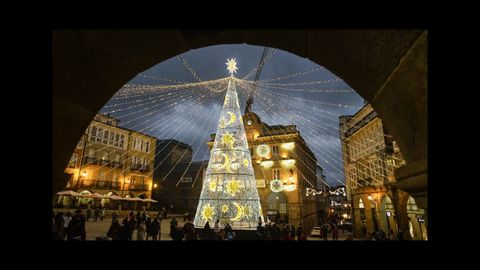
pixel 233 187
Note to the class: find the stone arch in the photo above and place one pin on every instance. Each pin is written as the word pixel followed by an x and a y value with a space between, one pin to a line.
pixel 386 67
pixel 386 214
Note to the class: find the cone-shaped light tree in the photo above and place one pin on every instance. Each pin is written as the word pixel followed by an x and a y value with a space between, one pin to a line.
pixel 229 191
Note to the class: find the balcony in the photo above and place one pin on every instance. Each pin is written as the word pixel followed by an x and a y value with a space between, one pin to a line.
pixel 138 187
pixel 90 161
pixel 140 167
pixel 96 184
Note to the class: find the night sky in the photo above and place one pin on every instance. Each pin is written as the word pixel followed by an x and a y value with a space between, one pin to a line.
pixel 192 122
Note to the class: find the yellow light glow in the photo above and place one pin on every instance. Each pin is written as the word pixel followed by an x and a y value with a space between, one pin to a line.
pixel 288 163
pixel 288 146
pixel 267 164
pixel 289 187
pixel 154 185
pixel 84 174
pixel 232 65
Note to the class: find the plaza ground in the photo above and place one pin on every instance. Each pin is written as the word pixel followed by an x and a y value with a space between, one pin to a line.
pixel 98 228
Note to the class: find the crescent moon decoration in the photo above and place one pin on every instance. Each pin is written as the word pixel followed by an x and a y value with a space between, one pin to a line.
pixel 239 212
pixel 232 118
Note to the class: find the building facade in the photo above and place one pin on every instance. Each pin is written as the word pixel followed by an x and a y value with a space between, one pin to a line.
pixel 284 167
pixel 177 179
pixel 111 160
pixel 370 157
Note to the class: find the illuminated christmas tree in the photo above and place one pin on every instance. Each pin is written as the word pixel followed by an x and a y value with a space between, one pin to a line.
pixel 229 191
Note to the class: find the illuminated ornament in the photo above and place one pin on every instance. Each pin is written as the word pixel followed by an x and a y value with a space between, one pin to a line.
pixel 263 150
pixel 228 140
pixel 208 212
pixel 234 178
pixel 227 164
pixel 232 65
pixel 239 214
pixel 232 118
pixel 222 123
pixel 247 211
pixel 224 208
pixel 212 186
pixel 233 186
pixel 276 186
pixel 249 122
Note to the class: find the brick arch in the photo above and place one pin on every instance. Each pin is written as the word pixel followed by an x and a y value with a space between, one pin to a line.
pixel 386 67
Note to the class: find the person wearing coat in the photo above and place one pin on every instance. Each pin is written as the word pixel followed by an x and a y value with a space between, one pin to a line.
pixel 141 231
pixel 155 229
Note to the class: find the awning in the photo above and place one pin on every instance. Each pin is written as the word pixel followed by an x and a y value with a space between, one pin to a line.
pixel 94 195
pixel 68 193
pixel 149 200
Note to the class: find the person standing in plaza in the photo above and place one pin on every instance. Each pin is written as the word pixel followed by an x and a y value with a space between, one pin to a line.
pixel 216 229
pixel 76 227
pixel 324 229
pixel 115 230
pixel 132 223
pixel 141 231
pixel 335 233
pixel 59 224
pixel 155 228
pixel 89 212
pixel 66 220
pixel 102 214
pixel 148 225
pixel 96 214
pixel 206 231
pixel 299 231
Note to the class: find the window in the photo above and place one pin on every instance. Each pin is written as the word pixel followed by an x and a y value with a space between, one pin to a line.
pixel 276 174
pixel 91 153
pixel 147 147
pixel 101 176
pixel 117 139
pixel 117 158
pixel 275 150
pixel 112 136
pixel 93 133
pixel 282 208
pixel 99 135
pixel 105 136
pixel 122 140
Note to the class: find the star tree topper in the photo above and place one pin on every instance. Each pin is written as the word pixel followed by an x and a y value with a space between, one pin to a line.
pixel 232 65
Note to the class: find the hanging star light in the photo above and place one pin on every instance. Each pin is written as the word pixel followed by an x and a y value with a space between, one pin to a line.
pixel 231 66
pixel 208 212
pixel 228 140
pixel 224 208
pixel 233 187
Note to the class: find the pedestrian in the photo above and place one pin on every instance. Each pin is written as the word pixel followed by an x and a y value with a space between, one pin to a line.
pixel 66 220
pixel 189 231
pixel 148 225
pixel 324 230
pixel 206 231
pixel 216 229
pixel 391 235
pixel 102 215
pixel 292 232
pixel 60 224
pixel 125 230
pixel 173 226
pixel 260 231
pixel 141 231
pixel 229 235
pixel 115 230
pixel 155 229
pixel 132 223
pixel 114 217
pixel 299 231
pixel 96 214
pixel 335 233
pixel 76 227
pixel 89 212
